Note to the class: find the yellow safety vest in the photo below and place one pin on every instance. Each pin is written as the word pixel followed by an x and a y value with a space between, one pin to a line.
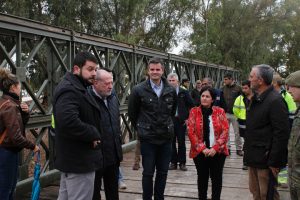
pixel 239 108
pixel 292 107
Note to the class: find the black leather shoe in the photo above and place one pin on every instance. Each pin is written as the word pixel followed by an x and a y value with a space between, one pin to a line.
pixel 172 166
pixel 182 167
pixel 239 152
pixel 136 166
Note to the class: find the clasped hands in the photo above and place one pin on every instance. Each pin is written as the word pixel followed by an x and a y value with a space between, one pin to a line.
pixel 209 152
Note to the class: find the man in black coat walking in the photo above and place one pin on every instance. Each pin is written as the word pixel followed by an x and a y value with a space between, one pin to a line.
pixel 77 128
pixel 267 134
pixel 184 104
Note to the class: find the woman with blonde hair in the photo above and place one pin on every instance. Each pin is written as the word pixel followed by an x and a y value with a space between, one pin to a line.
pixel 208 133
pixel 13 117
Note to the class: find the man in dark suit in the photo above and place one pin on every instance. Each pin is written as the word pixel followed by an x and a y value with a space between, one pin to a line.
pixel 102 91
pixel 184 104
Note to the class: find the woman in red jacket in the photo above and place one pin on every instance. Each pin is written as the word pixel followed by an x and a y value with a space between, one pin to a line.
pixel 208 133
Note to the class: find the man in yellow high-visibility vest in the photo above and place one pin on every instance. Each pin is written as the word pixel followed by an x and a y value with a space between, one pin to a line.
pixel 240 107
pixel 278 85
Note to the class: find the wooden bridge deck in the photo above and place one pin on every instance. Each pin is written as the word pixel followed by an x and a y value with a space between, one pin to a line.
pixel 181 185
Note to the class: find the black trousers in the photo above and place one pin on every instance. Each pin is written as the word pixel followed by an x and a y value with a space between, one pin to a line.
pixel 179 135
pixel 210 167
pixel 110 176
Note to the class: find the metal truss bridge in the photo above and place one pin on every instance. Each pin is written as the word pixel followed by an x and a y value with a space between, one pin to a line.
pixel 40 55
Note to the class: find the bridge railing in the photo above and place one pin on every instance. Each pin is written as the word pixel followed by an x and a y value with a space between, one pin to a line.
pixel 40 55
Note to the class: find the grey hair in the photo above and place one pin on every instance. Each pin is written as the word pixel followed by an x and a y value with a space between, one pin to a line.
pixel 209 80
pixel 265 72
pixel 173 75
pixel 102 70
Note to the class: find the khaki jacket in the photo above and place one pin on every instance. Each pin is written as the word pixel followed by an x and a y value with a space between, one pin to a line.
pixel 294 151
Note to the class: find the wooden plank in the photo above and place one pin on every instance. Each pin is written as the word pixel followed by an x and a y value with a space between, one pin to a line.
pixel 181 185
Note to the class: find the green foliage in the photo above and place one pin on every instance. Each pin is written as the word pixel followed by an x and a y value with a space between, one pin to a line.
pixel 242 33
pixel 236 33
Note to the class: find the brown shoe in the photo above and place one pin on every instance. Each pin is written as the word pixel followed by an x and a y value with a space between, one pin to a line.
pixel 182 167
pixel 239 152
pixel 136 166
pixel 172 166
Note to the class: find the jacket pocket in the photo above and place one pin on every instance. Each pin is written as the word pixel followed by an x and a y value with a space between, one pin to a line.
pixel 143 129
pixel 257 154
pixel 169 103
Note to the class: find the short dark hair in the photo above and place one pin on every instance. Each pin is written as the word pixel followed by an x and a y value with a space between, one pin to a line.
pixel 246 82
pixel 210 90
pixel 81 58
pixel 156 60
pixel 209 80
pixel 185 80
pixel 265 72
pixel 228 75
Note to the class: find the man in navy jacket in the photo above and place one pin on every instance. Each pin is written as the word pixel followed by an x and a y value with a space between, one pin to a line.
pixel 184 104
pixel 102 91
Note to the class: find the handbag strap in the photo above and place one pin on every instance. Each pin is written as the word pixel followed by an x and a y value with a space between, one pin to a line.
pixel 5 131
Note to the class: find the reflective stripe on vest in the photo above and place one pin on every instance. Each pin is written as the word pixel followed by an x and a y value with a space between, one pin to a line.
pixel 242 126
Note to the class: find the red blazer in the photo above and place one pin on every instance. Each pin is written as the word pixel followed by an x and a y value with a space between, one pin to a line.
pixel 195 131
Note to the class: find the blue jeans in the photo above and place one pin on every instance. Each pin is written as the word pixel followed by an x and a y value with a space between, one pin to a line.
pixel 155 157
pixel 8 173
pixel 120 178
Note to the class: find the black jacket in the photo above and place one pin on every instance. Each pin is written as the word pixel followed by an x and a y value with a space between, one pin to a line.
pixel 195 94
pixel 110 128
pixel 150 115
pixel 220 101
pixel 230 93
pixel 77 118
pixel 267 131
pixel 184 104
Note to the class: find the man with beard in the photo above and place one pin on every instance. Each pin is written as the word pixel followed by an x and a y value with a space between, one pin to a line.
pixel 77 128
